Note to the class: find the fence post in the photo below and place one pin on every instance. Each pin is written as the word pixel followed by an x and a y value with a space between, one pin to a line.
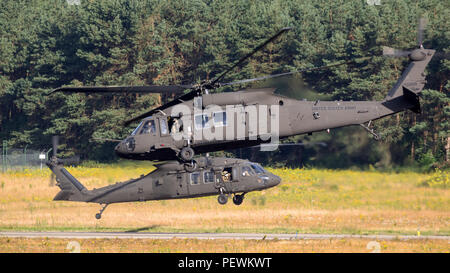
pixel 25 156
pixel 4 155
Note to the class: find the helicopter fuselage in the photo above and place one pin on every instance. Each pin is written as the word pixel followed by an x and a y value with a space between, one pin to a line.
pixel 223 121
pixel 170 180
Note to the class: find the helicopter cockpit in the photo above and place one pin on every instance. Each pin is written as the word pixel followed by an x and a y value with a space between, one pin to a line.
pixel 148 126
pixel 137 129
pixel 252 169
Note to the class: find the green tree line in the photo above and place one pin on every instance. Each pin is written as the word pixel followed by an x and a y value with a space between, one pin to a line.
pixel 45 44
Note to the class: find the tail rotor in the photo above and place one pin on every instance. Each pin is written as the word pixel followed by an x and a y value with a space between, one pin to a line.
pixel 55 144
pixel 420 30
pixel 415 54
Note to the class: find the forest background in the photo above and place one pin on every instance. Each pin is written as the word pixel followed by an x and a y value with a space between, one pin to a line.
pixel 45 44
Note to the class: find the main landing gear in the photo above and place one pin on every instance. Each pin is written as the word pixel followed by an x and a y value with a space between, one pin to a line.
pixel 222 199
pixel 186 155
pixel 190 166
pixel 237 198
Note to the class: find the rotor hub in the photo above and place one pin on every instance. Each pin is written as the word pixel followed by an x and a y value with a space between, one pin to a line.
pixel 417 55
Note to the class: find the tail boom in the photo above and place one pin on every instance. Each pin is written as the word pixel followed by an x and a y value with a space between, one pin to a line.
pixel 71 188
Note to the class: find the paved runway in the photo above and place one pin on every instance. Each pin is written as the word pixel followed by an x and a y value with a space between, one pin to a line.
pixel 211 236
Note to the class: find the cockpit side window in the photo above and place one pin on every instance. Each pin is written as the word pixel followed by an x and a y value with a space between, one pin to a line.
pixel 149 127
pixel 137 129
pixel 247 171
pixel 163 126
pixel 258 169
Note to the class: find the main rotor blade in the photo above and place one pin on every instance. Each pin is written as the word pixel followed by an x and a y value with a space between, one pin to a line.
pixel 243 59
pixel 123 89
pixel 106 139
pixel 286 73
pixel 180 99
pixel 323 144
pixel 392 52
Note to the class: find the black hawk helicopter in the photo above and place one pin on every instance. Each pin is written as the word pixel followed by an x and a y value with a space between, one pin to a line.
pixel 214 176
pixel 200 122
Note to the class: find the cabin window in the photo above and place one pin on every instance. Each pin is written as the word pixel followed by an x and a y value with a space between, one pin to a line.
pixel 201 121
pixel 163 126
pixel 137 129
pixel 149 127
pixel 175 125
pixel 247 171
pixel 195 178
pixel 227 174
pixel 220 118
pixel 198 102
pixel 208 177
pixel 258 169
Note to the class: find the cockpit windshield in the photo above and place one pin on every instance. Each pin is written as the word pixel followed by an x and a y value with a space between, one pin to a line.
pixel 257 168
pixel 247 171
pixel 137 129
pixel 149 127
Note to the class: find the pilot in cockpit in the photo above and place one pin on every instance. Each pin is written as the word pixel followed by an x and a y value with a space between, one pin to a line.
pixel 149 127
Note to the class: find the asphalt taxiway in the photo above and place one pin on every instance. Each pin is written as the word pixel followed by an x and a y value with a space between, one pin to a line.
pixel 209 236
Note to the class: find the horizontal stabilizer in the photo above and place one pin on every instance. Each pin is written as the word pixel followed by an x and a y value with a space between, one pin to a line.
pixel 63 195
pixel 412 98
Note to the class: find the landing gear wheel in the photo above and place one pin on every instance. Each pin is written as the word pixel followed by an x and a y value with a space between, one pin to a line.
pixel 99 214
pixel 190 166
pixel 186 154
pixel 222 199
pixel 237 199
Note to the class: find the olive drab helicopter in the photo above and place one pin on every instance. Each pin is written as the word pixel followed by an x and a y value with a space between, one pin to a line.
pixel 170 180
pixel 199 122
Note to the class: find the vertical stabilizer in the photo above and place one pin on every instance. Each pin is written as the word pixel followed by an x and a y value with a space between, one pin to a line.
pixel 413 78
pixel 71 188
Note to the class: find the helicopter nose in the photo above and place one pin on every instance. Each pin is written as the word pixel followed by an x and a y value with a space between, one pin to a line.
pixel 270 180
pixel 274 180
pixel 121 149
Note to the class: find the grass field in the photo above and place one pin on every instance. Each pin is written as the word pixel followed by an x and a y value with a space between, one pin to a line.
pixel 18 245
pixel 307 201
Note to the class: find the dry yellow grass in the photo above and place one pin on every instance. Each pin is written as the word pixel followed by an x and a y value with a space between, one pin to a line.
pixel 201 246
pixel 307 201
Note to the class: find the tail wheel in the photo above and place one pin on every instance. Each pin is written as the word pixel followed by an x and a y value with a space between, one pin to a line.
pixel 187 153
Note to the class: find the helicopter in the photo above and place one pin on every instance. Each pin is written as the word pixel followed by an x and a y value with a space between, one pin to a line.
pixel 199 122
pixel 214 176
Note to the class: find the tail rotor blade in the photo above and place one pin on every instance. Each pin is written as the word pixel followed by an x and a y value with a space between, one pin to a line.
pixel 52 180
pixel 420 30
pixel 392 52
pixel 55 143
